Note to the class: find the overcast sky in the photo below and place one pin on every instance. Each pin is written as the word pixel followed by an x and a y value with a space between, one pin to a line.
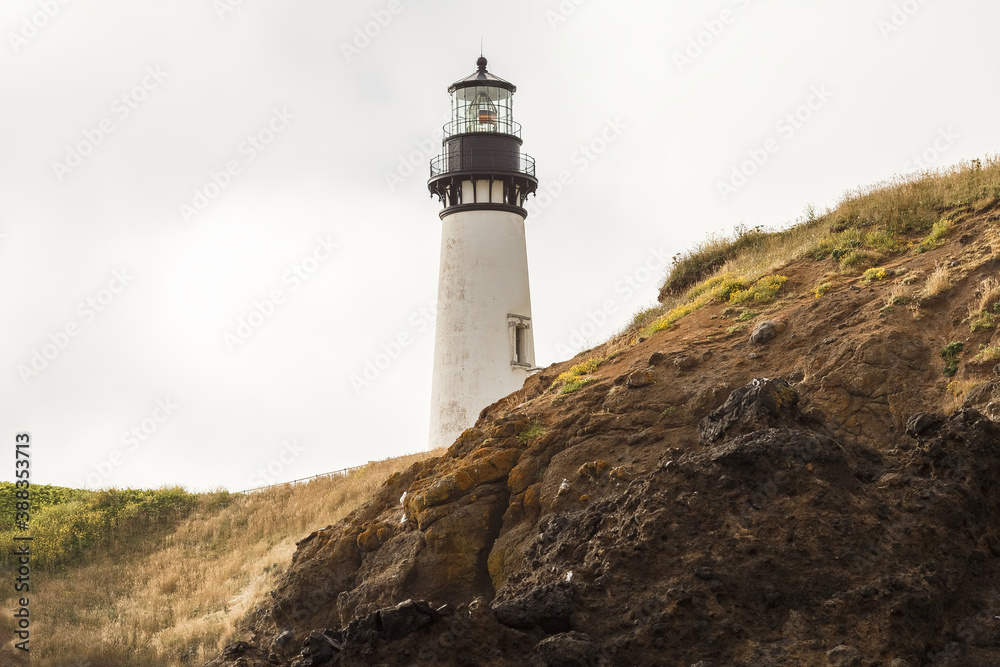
pixel 214 213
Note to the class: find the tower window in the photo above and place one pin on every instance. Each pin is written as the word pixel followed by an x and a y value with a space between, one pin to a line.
pixel 521 347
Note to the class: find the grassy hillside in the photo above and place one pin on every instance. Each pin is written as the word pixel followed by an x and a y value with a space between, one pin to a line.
pixel 870 225
pixel 129 577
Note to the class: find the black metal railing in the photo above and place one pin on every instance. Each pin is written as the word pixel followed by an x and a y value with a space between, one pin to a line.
pixel 488 125
pixel 483 161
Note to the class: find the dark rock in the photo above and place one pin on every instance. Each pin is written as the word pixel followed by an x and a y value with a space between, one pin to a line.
pixel 567 649
pixel 705 573
pixel 235 650
pixel 548 607
pixel 656 358
pixel 727 482
pixel 685 363
pixel 760 404
pixel 391 623
pixel 985 398
pixel 283 644
pixel 764 332
pixel 922 422
pixel 843 656
pixel 814 415
pixel 784 446
pixel 644 437
pixel 319 648
pixel 773 597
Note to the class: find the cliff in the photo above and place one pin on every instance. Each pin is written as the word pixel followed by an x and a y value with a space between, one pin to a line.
pixel 791 461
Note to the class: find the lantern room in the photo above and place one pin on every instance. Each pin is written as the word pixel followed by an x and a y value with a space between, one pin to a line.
pixel 482 103
pixel 481 165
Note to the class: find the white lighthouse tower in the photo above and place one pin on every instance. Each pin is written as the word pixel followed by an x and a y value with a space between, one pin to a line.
pixel 484 346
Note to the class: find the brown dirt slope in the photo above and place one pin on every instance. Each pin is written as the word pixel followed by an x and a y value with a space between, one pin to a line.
pixel 819 498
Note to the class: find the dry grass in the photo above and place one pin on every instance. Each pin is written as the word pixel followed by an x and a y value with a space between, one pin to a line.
pixel 992 232
pixel 868 224
pixel 772 252
pixel 988 354
pixel 176 601
pixel 898 296
pixel 938 281
pixel 957 390
pixel 914 203
pixel 989 294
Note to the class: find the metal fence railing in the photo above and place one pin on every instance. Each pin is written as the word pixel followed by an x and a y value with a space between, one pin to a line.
pixel 490 125
pixel 335 473
pixel 484 161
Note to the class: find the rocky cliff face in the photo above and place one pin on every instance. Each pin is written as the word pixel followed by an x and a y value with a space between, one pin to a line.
pixel 809 490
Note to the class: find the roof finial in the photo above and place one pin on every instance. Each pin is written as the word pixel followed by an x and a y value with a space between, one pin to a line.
pixel 481 64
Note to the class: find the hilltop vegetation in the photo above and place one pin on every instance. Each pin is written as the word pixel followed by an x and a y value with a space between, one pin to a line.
pixel 67 524
pixel 870 224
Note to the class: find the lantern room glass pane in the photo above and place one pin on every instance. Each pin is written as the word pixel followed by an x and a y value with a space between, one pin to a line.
pixel 482 109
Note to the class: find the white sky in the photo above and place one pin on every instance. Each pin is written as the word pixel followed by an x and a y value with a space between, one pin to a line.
pixel 347 120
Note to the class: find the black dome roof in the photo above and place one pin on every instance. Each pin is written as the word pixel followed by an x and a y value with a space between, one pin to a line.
pixel 482 78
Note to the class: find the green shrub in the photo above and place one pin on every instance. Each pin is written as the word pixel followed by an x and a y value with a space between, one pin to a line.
pixel 677 313
pixel 583 368
pixel 574 385
pixel 536 429
pixel 936 238
pixel 724 291
pixel 856 258
pixel 985 321
pixel 951 353
pixel 881 240
pixel 875 274
pixel 764 290
pixel 821 290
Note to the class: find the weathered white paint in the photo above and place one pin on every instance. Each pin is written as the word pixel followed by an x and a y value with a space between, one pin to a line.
pixel 483 278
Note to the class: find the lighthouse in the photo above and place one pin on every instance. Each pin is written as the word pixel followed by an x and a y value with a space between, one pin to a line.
pixel 484 341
